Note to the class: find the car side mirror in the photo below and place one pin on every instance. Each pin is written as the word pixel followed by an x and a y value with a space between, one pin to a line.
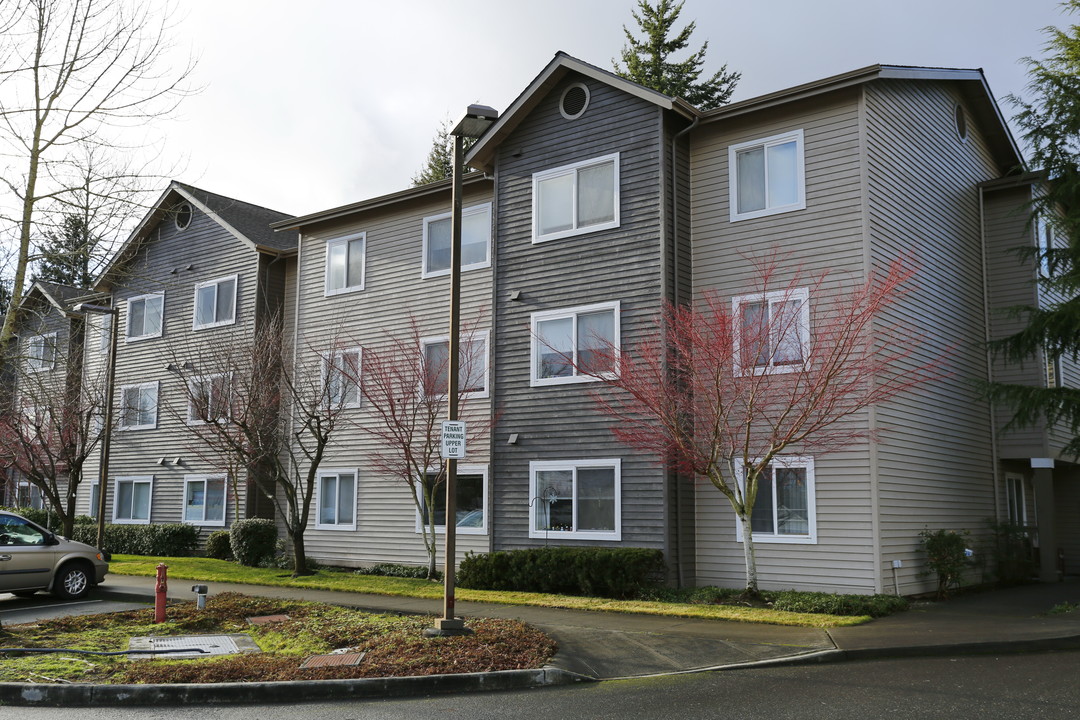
pixel 51 539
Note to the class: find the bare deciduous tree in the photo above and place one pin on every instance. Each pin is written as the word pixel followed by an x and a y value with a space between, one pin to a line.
pixel 74 74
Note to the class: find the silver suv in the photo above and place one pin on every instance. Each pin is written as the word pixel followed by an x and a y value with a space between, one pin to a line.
pixel 33 558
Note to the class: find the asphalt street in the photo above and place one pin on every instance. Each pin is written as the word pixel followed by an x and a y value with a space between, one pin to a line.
pixel 1016 686
pixel 43 606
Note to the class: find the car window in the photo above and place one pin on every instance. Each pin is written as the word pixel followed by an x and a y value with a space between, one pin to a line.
pixel 16 531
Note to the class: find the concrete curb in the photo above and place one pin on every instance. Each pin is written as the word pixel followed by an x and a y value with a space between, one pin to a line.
pixel 75 695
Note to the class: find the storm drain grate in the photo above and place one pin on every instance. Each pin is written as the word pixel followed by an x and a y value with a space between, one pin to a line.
pixel 182 647
pixel 267 619
pixel 334 660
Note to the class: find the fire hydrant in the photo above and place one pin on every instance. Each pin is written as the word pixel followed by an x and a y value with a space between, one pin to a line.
pixel 161 592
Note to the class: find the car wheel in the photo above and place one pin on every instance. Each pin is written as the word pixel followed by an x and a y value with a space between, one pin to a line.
pixel 72 582
pixel 24 593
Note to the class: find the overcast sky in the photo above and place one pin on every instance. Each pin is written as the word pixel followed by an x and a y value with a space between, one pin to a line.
pixel 310 105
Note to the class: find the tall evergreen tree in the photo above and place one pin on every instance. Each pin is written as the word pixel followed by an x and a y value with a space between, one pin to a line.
pixel 67 252
pixel 646 61
pixel 440 160
pixel 1050 123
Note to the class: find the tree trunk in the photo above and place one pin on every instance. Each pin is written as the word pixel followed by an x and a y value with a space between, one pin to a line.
pixel 300 566
pixel 748 554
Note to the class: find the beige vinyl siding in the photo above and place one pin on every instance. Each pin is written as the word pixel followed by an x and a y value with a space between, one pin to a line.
pixel 394 292
pixel 174 261
pixel 623 264
pixel 827 236
pixel 935 465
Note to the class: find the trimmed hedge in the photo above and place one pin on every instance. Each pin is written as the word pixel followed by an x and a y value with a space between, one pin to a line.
pixel 162 539
pixel 593 571
pixel 219 545
pixel 398 570
pixel 836 604
pixel 253 541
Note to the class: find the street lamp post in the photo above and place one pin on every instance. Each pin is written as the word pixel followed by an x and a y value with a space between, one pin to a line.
pixel 477 119
pixel 106 431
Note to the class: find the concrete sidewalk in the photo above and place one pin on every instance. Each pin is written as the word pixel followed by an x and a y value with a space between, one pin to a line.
pixel 612 645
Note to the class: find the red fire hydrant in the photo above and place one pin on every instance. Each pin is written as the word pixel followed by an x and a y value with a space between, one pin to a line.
pixel 162 590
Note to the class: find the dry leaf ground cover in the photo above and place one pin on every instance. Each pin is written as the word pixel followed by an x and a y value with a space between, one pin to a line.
pixel 394 645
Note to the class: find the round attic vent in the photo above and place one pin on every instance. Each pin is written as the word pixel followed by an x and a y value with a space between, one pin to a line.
pixel 961 122
pixel 182 216
pixel 574 101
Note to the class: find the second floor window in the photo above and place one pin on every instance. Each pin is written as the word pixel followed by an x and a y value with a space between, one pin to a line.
pixel 138 406
pixel 208 398
pixel 766 176
pixel 772 332
pixel 215 303
pixel 41 352
pixel 472 365
pixel 342 377
pixel 576 199
pixel 574 345
pixel 475 240
pixel 144 317
pixel 345 258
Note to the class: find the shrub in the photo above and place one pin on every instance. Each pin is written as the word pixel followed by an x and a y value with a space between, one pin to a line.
pixel 836 604
pixel 599 572
pixel 397 570
pixel 218 545
pixel 163 539
pixel 946 556
pixel 253 541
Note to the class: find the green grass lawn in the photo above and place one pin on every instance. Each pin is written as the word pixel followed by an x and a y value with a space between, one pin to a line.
pixel 208 570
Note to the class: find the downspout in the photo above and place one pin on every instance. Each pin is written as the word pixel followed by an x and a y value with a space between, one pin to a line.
pixel 996 462
pixel 680 579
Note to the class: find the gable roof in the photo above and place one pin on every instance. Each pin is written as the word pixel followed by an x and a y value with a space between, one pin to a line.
pixel 248 223
pixel 480 154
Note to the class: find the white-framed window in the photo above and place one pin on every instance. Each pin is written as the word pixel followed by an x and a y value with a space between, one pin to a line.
pixel 471 510
pixel 345 262
pixel 138 406
pixel 341 372
pixel 29 496
pixel 95 497
pixel 336 500
pixel 575 344
pixel 105 337
pixel 204 500
pixel 475 241
pixel 576 499
pixel 772 331
pixel 576 199
pixel 784 509
pixel 1016 498
pixel 209 398
pixel 215 303
pixel 132 499
pixel 472 364
pixel 41 352
pixel 144 316
pixel 767 176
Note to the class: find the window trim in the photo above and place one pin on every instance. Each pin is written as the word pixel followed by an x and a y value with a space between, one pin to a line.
pixel 801 294
pixel 791 461
pixel 800 176
pixel 148 479
pixel 572 312
pixel 479 335
pixel 47 340
pixel 205 480
pixel 471 210
pixel 128 337
pixel 235 277
pixel 573 168
pixel 336 472
pixel 345 240
pixel 193 421
pixel 326 369
pixel 536 466
pixel 92 508
pixel 481 470
pixel 156 384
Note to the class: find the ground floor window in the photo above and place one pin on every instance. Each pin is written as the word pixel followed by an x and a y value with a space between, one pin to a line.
pixel 94 499
pixel 337 499
pixel 133 497
pixel 471 500
pixel 1016 499
pixel 204 500
pixel 578 499
pixel 784 508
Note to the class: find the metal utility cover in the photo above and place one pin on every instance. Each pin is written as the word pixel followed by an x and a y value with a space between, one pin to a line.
pixel 180 647
pixel 335 660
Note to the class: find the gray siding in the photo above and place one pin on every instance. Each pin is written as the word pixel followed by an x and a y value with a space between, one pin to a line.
pixel 935 466
pixel 827 236
pixel 394 294
pixel 622 264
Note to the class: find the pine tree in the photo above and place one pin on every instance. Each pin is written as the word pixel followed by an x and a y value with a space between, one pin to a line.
pixel 1051 126
pixel 646 61
pixel 440 160
pixel 66 255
